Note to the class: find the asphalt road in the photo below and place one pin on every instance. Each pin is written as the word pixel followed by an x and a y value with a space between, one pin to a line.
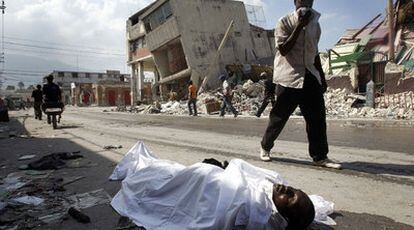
pixel 374 191
pixel 373 134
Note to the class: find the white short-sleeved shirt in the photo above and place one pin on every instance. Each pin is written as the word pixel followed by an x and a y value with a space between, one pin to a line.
pixel 290 70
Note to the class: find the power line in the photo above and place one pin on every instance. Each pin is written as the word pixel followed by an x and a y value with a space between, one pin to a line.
pixel 60 49
pixel 60 44
pixel 25 71
pixel 24 74
pixel 59 54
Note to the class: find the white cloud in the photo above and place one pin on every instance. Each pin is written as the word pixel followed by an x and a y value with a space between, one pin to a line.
pixel 94 23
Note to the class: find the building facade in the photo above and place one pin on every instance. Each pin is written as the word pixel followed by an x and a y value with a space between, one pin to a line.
pixel 177 40
pixel 69 81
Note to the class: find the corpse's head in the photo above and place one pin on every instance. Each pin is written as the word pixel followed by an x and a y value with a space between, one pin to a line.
pixel 294 205
pixel 303 3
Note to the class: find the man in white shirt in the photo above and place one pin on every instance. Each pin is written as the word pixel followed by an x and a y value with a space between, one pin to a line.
pixel 227 97
pixel 300 82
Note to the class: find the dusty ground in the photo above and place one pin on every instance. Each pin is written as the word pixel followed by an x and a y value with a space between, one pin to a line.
pixel 374 191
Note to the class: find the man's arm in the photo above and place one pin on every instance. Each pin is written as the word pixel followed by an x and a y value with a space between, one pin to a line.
pixel 318 66
pixel 288 45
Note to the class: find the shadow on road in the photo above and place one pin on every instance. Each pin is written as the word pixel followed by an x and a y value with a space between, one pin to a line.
pixel 365 167
pixel 69 127
pixel 377 168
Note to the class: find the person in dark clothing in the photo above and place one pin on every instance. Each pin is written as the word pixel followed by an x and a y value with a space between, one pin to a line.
pixel 52 96
pixel 300 82
pixel 269 94
pixel 37 96
pixel 51 91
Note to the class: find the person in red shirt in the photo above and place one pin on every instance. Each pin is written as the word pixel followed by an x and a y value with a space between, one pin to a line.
pixel 192 98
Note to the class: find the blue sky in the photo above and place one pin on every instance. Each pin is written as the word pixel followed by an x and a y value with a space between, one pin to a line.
pixel 337 15
pixel 101 23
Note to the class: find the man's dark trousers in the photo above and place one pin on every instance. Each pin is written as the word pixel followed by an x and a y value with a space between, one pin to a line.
pixel 227 103
pixel 268 99
pixel 312 105
pixel 192 102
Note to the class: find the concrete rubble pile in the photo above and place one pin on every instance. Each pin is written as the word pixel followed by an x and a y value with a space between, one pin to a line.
pixel 246 99
pixel 341 104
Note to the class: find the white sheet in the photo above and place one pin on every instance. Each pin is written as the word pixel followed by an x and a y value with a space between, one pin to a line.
pixel 160 194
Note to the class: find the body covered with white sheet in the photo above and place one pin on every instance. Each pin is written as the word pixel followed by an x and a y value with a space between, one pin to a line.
pixel 160 194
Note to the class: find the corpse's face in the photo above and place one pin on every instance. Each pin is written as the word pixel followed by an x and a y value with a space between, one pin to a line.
pixel 292 204
pixel 303 3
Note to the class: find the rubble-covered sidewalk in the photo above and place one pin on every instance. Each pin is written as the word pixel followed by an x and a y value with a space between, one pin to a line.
pixel 340 103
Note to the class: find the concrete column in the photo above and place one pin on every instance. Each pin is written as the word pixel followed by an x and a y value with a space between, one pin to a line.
pixel 133 85
pixel 155 87
pixel 140 78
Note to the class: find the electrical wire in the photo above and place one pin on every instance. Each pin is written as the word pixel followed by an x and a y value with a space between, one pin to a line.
pixel 60 49
pixel 59 54
pixel 60 44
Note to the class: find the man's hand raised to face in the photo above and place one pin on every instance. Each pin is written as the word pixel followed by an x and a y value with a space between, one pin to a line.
pixel 304 19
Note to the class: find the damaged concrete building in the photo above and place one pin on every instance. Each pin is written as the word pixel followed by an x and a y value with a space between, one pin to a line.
pixel 381 51
pixel 177 40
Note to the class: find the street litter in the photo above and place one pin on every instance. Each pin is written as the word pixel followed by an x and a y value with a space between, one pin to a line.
pixel 70 180
pixel 26 157
pixel 52 161
pixel 89 199
pixel 31 200
pixel 80 164
pixel 52 218
pixel 109 147
pixel 201 195
pixel 79 216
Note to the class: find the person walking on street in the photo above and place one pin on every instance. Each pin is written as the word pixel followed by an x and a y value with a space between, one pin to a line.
pixel 192 98
pixel 52 96
pixel 37 96
pixel 269 93
pixel 227 98
pixel 300 81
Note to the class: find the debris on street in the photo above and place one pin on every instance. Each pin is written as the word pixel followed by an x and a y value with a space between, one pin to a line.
pixel 26 157
pixel 109 147
pixel 53 161
pixel 79 216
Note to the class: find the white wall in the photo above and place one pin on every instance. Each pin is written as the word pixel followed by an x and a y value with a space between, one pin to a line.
pixel 202 24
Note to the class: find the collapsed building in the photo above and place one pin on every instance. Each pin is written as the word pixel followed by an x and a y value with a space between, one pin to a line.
pixel 381 51
pixel 178 40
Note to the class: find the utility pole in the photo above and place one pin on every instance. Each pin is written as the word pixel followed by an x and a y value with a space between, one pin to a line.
pixel 2 56
pixel 391 17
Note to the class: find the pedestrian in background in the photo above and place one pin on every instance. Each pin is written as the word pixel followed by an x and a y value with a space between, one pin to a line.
pixel 300 81
pixel 227 97
pixel 37 96
pixel 269 93
pixel 192 98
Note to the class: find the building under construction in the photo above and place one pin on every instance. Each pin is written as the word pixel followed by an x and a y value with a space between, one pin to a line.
pixel 179 40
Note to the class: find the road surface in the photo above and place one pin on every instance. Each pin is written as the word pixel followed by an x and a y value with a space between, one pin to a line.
pixel 374 191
